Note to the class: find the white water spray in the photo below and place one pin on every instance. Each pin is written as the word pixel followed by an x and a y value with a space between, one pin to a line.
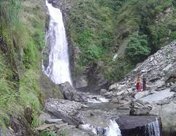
pixel 58 68
pixel 113 129
pixel 153 128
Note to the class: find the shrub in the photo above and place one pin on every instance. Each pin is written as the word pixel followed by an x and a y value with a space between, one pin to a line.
pixel 137 49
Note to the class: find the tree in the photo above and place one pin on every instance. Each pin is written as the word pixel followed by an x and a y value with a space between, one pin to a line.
pixel 137 49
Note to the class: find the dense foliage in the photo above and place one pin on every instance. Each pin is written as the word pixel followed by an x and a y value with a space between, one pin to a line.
pixel 21 41
pixel 103 28
pixel 117 33
pixel 137 48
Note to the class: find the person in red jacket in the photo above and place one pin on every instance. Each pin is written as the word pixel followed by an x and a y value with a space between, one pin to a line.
pixel 138 83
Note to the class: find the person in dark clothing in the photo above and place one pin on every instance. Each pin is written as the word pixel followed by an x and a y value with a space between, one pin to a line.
pixel 144 83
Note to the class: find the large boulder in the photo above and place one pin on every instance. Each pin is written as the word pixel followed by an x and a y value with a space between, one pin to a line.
pixel 160 73
pixel 69 92
pixel 49 89
pixel 167 112
pixel 139 125
pixel 163 105
pixel 65 110
pixel 158 97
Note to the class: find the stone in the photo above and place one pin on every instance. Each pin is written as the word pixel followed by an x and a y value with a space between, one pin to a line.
pixel 28 114
pixel 118 87
pixel 64 109
pixel 167 112
pixel 140 108
pixel 139 125
pixel 49 89
pixel 69 92
pixel 103 91
pixel 120 93
pixel 20 126
pixel 44 127
pixel 44 116
pixel 50 121
pixel 113 86
pixel 173 88
pixel 9 132
pixel 141 94
pixel 158 96
pixel 115 100
pixel 81 82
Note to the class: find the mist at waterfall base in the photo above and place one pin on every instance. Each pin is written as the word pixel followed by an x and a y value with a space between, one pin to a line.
pixel 58 67
pixel 111 130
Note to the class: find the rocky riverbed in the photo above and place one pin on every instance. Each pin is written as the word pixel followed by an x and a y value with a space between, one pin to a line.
pixel 89 114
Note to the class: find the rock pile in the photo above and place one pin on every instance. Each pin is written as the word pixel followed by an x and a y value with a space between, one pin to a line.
pixel 160 73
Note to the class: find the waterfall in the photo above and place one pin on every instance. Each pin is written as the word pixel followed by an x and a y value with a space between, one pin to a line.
pixel 58 67
pixel 153 128
pixel 113 129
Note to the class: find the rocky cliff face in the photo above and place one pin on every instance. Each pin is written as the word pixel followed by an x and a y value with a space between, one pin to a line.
pixel 159 69
pixel 160 73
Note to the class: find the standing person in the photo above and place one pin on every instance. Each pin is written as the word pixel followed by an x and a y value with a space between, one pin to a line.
pixel 138 83
pixel 144 83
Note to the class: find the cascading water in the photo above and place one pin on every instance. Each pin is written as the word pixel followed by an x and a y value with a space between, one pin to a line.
pixel 58 67
pixel 153 128
pixel 113 129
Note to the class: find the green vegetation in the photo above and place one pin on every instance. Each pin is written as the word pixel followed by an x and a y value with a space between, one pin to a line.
pixel 100 28
pixel 132 29
pixel 48 133
pixel 52 133
pixel 22 29
pixel 92 30
pixel 137 49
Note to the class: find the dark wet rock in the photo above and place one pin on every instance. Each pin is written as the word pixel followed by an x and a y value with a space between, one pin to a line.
pixel 20 126
pixel 167 112
pixel 3 46
pixel 92 79
pixel 49 89
pixel 139 125
pixel 81 82
pixel 173 88
pixel 103 91
pixel 69 92
pixel 28 115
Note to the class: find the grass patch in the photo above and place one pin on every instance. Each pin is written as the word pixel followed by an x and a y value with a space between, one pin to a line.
pixel 22 29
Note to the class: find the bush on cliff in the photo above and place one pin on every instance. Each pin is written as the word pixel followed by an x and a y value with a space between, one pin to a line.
pixel 137 49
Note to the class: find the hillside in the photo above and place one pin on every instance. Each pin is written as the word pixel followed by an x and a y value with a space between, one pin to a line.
pixel 107 39
pixel 130 29
pixel 22 35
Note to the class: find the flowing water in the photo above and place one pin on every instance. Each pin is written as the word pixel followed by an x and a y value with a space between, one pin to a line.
pixel 58 68
pixel 113 129
pixel 153 128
